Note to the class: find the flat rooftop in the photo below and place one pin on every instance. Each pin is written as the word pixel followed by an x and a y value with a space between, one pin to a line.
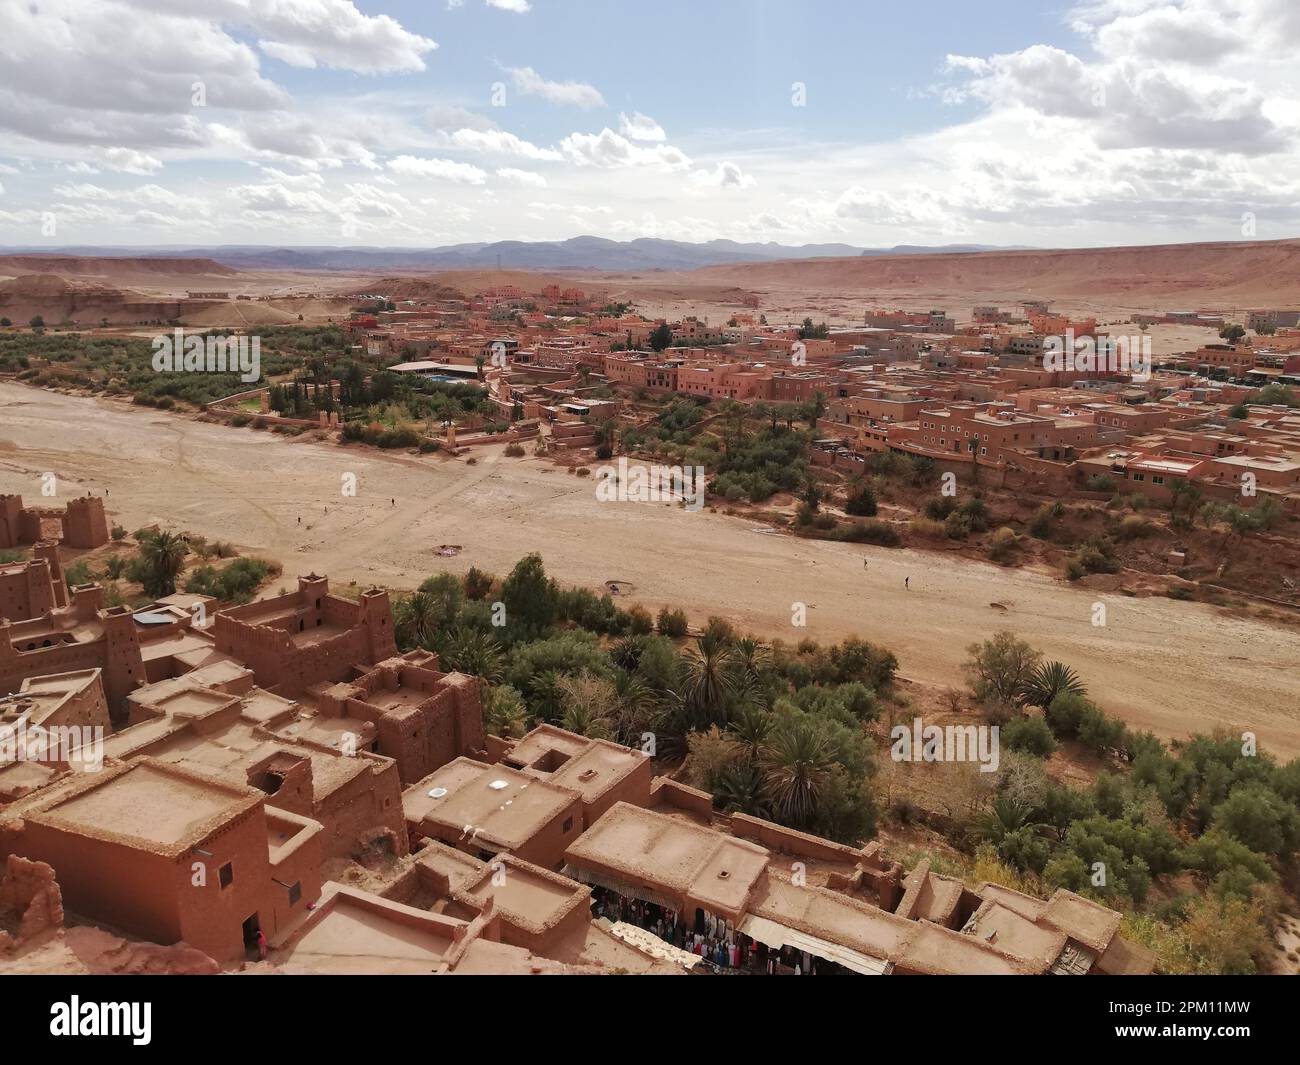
pixel 633 845
pixel 150 806
pixel 498 804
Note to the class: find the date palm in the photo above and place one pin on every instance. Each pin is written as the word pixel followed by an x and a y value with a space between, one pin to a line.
pixel 162 557
pixel 1049 680
pixel 473 652
pixel 416 622
pixel 708 684
pixel 741 788
pixel 796 764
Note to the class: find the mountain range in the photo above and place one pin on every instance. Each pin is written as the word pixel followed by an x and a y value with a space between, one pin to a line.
pixel 576 253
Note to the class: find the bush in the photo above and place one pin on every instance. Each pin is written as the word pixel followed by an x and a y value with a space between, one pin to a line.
pixel 235 583
pixel 880 533
pixel 1095 555
pixel 939 509
pixel 1003 545
pixel 1134 526
pixel 515 450
pixel 861 503
pixel 672 623
pixel 477 583
pixel 118 534
pixel 926 528
pixel 1029 734
pixel 956 526
pixel 1040 525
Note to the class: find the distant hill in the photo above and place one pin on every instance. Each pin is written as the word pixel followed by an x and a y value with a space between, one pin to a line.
pixel 1240 273
pixel 576 253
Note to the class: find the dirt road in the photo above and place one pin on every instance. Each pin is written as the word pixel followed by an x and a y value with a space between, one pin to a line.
pixel 1168 666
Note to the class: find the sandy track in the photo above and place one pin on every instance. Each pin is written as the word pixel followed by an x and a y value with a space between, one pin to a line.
pixel 1171 667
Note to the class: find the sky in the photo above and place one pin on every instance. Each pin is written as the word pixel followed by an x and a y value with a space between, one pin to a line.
pixel 409 123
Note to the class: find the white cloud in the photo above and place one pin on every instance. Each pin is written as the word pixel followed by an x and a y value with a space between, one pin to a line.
pixel 129 161
pixel 460 173
pixel 330 33
pixel 610 149
pixel 522 177
pixel 723 176
pixel 573 93
pixel 519 7
pixel 639 127
pixel 500 142
pixel 274 196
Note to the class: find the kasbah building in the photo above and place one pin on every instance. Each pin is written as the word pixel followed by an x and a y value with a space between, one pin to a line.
pixel 277 778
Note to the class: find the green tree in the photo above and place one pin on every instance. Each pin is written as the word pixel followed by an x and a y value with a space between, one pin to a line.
pixel 796 765
pixel 1000 667
pixel 162 557
pixel 530 597
pixel 1048 680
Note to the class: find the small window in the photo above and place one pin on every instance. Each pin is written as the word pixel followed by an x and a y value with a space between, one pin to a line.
pixel 226 875
pixel 568 825
pixel 295 893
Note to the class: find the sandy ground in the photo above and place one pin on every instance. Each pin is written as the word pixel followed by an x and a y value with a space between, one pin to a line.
pixel 1169 666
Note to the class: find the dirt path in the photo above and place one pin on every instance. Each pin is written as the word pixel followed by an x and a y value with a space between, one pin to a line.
pixel 1168 666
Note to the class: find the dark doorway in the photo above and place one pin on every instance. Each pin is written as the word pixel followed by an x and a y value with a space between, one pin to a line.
pixel 251 927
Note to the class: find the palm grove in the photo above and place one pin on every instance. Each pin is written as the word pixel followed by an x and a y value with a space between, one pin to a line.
pixel 1195 842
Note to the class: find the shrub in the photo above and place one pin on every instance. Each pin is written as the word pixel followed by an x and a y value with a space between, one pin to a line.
pixel 640 623
pixel 235 583
pixel 926 528
pixel 118 533
pixel 1029 734
pixel 672 623
pixel 861 503
pixel 956 526
pixel 1003 545
pixel 477 583
pixel 880 533
pixel 939 509
pixel 515 450
pixel 1040 525
pixel 1134 526
pixel 1000 667
pixel 1095 555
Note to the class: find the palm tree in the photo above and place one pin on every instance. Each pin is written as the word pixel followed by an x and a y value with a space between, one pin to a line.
pixel 626 652
pixel 416 622
pixel 1005 817
pixel 740 787
pixel 162 556
pixel 504 712
pixel 473 652
pixel 588 705
pixel 1049 680
pixel 633 706
pixel 796 765
pixel 752 725
pixel 708 684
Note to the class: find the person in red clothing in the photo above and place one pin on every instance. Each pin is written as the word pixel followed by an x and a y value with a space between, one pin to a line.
pixel 261 944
